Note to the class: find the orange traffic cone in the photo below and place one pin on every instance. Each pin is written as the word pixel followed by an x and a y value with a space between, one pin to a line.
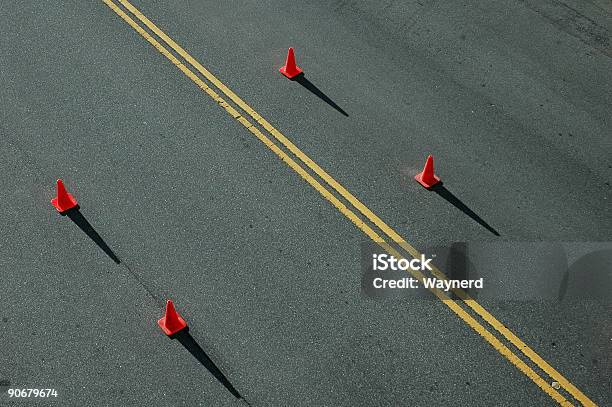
pixel 171 322
pixel 427 178
pixel 63 201
pixel 290 70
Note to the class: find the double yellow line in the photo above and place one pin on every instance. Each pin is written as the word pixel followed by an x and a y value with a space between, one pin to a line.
pixel 395 240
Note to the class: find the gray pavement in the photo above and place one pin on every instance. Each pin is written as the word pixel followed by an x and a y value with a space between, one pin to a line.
pixel 513 99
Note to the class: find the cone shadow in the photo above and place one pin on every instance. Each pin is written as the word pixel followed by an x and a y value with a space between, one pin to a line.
pixel 441 190
pixel 75 215
pixel 185 338
pixel 301 79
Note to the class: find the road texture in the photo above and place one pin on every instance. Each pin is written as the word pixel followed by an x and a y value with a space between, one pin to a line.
pixel 513 99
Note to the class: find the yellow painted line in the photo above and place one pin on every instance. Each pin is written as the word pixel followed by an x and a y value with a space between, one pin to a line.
pixel 341 207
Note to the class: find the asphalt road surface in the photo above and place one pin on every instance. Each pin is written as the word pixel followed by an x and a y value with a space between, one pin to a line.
pixel 513 99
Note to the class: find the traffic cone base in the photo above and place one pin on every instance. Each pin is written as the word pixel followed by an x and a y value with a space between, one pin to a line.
pixel 290 70
pixel 427 178
pixel 291 73
pixel 63 201
pixel 171 322
pixel 427 183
